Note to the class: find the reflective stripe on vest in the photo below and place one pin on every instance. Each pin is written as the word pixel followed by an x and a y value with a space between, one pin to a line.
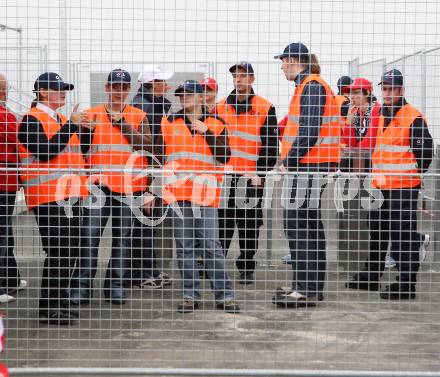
pixel 42 179
pixel 110 148
pixel 396 167
pixel 214 183
pixel 246 156
pixel 68 149
pixel 393 148
pixel 246 136
pixel 191 156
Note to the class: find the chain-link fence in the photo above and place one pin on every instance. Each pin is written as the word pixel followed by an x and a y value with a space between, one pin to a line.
pixel 293 273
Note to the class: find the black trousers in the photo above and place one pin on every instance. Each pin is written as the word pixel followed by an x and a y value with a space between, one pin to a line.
pixel 396 222
pixel 9 273
pixel 305 231
pixel 248 222
pixel 60 239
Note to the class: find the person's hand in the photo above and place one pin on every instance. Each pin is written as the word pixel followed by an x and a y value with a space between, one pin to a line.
pixel 87 121
pixel 256 180
pixel 116 117
pixel 75 116
pixel 352 111
pixel 199 126
pixel 148 204
pixel 282 168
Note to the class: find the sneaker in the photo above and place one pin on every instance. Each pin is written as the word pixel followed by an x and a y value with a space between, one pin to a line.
pixel 187 306
pixel 293 299
pixel 426 240
pixel 5 298
pixel 229 306
pixel 23 285
pixel 287 259
pixel 399 291
pixel 390 262
pixel 156 282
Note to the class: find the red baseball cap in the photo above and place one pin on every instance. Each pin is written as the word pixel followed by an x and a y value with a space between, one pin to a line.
pixel 210 83
pixel 359 83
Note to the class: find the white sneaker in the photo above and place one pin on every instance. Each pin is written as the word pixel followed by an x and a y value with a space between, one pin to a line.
pixel 5 298
pixel 424 247
pixel 23 285
pixel 390 262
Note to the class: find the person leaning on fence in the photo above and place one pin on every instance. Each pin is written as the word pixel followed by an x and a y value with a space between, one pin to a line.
pixel 10 281
pixel 253 138
pixel 53 177
pixel 117 131
pixel 309 149
pixel 404 146
pixel 150 98
pixel 195 149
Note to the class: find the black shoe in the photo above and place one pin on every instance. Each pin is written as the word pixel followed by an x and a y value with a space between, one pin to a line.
pixel 187 306
pixel 246 278
pixel 399 291
pixel 294 299
pixel 229 306
pixel 58 317
pixel 363 285
pixel 281 291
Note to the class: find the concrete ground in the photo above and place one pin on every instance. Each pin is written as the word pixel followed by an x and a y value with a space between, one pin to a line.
pixel 349 330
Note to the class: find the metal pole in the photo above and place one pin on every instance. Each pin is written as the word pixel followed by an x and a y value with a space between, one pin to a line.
pixel 210 372
pixel 20 67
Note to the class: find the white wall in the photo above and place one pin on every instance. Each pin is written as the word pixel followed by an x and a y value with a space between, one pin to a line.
pixel 182 34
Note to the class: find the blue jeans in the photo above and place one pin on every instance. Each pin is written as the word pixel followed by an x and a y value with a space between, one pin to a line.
pixel 189 232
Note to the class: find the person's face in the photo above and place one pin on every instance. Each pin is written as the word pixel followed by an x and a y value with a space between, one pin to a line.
pixel 53 98
pixel 159 88
pixel 243 81
pixel 291 68
pixel 190 101
pixel 3 89
pixel 210 95
pixel 391 94
pixel 117 92
pixel 358 98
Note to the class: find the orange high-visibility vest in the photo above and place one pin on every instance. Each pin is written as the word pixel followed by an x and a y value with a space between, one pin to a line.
pixel 244 133
pixel 341 99
pixel 110 150
pixel 327 148
pixel 190 165
pixel 393 153
pixel 61 177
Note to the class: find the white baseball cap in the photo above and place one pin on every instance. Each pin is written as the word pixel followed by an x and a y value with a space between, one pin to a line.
pixel 154 72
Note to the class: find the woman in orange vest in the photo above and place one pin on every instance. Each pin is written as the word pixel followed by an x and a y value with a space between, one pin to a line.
pixel 309 149
pixel 119 130
pixel 195 149
pixel 403 151
pixel 53 177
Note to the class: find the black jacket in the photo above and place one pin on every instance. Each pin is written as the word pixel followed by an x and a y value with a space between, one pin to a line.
pixel 155 107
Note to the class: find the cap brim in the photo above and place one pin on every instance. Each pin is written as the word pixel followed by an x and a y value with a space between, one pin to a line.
pixel 389 83
pixel 349 88
pixel 280 56
pixel 67 86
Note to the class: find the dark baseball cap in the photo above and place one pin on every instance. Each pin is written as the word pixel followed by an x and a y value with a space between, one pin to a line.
pixel 189 86
pixel 244 65
pixel 393 77
pixel 51 80
pixel 119 76
pixel 344 81
pixel 295 50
